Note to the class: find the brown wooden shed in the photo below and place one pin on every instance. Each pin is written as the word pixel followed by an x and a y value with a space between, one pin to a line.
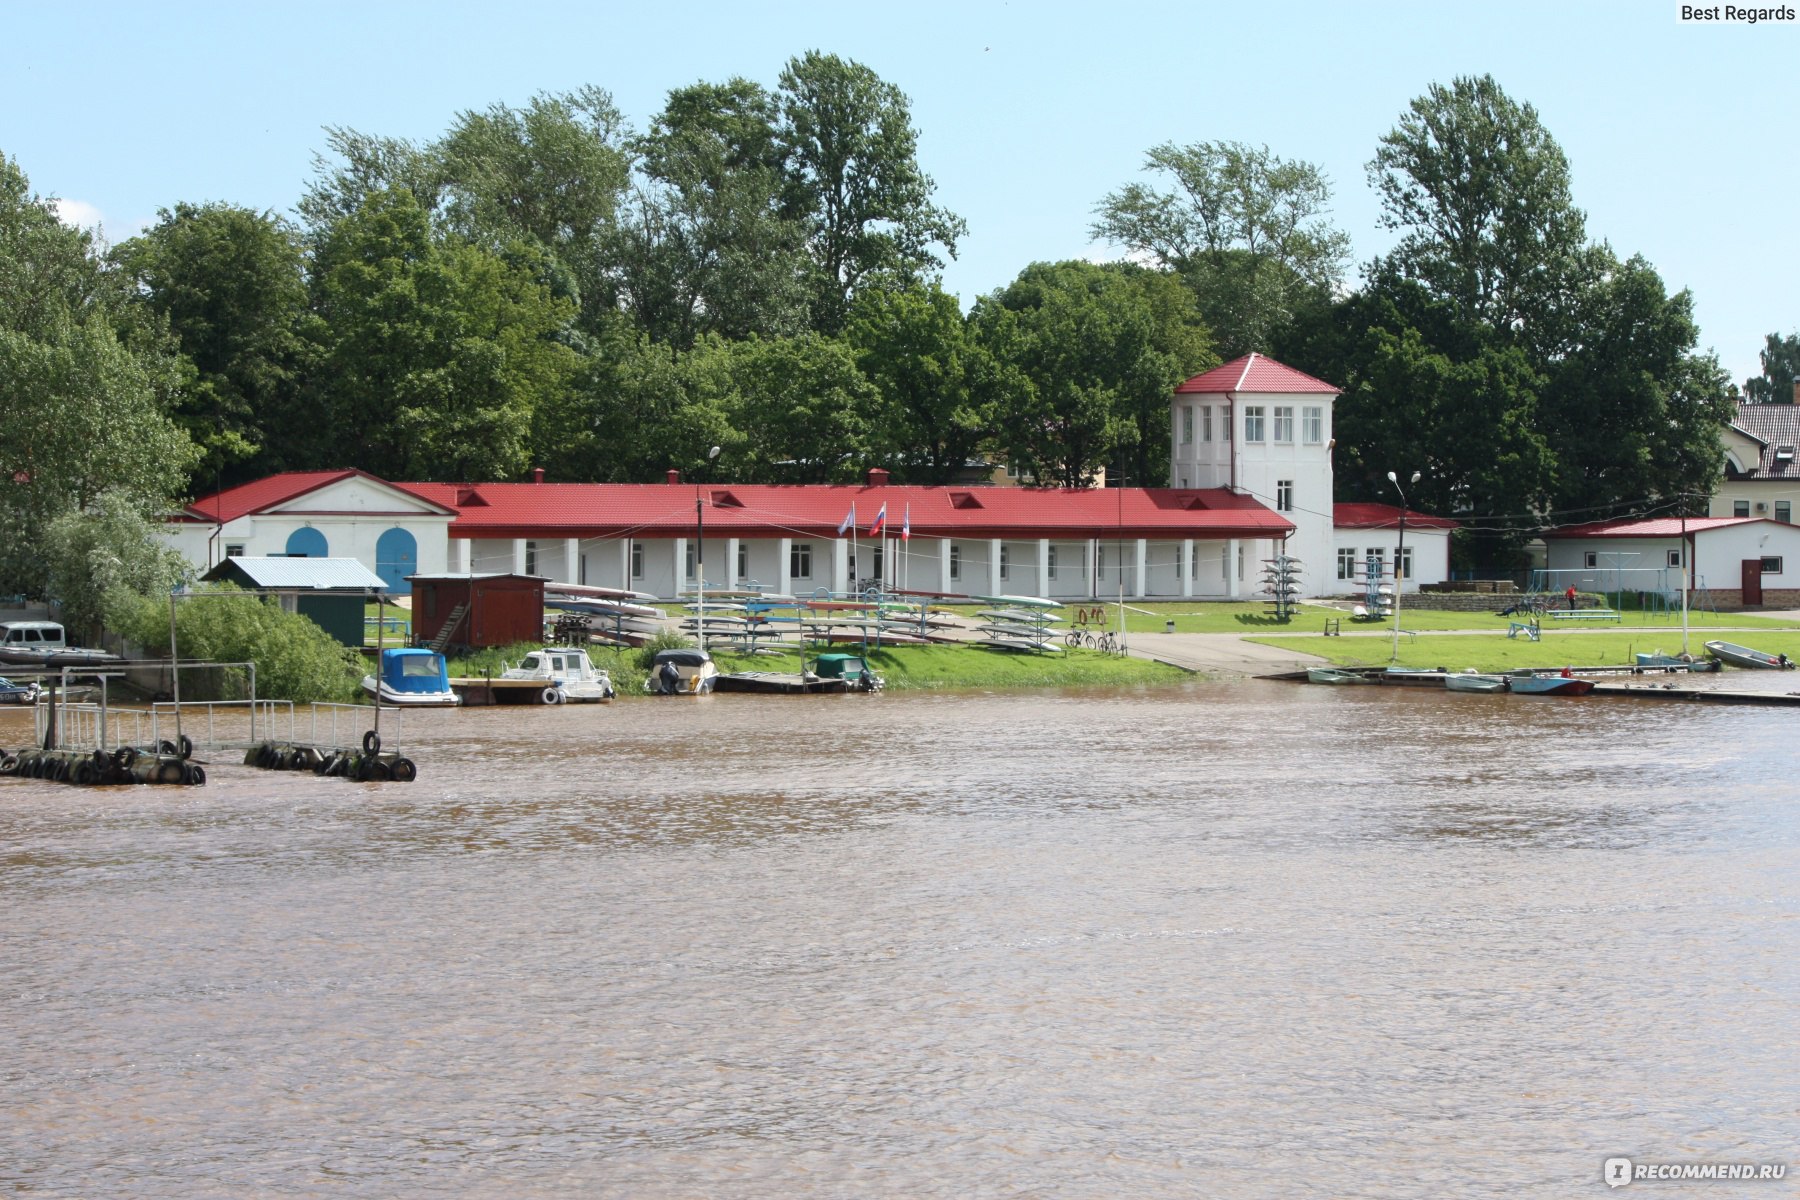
pixel 477 610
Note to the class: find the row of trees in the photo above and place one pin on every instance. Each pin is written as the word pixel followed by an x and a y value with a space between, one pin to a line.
pixel 757 270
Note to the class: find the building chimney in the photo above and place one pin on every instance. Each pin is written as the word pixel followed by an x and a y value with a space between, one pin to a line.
pixel 537 474
pixel 878 476
pixel 674 475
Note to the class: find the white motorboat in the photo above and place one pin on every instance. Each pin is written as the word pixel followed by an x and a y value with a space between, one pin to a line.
pixel 412 679
pixel 567 674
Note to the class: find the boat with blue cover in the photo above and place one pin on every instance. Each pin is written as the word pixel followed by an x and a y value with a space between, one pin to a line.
pixel 412 679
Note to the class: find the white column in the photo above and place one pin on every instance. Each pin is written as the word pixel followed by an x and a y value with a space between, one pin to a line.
pixel 1186 567
pixel 944 566
pixel 571 560
pixel 731 553
pixel 1142 589
pixel 625 563
pixel 1231 560
pixel 465 554
pixel 994 580
pixel 784 560
pixel 1043 588
pixel 840 565
pixel 518 563
pixel 678 548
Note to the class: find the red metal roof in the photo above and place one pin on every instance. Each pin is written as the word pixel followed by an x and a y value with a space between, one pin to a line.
pixel 263 494
pixel 1654 527
pixel 1256 373
pixel 1385 516
pixel 662 510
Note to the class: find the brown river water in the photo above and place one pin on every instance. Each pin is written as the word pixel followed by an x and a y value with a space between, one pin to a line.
pixel 1237 940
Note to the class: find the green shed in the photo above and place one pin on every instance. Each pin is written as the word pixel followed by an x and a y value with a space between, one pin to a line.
pixel 329 592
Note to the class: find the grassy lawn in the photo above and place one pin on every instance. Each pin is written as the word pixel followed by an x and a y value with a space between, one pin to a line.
pixel 1500 653
pixel 399 624
pixel 1250 616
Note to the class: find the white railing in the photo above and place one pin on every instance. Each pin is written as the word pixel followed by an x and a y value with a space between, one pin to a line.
pixel 214 724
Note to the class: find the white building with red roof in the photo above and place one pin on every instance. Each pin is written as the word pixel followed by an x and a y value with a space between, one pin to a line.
pixel 1371 537
pixel 1061 543
pixel 1739 562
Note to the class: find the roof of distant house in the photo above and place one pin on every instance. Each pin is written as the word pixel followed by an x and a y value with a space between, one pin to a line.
pixel 1777 428
pixel 1256 373
pixel 1650 527
pixel 1385 516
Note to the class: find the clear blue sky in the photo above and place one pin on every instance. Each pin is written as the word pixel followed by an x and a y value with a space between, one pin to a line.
pixel 1680 136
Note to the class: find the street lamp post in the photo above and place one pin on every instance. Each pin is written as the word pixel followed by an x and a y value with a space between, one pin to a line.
pixel 1399 560
pixel 700 554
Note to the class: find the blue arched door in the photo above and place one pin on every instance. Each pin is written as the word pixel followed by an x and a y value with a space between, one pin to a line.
pixel 307 542
pixel 396 557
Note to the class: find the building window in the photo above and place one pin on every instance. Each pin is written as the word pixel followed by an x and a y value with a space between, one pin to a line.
pixel 1206 422
pixel 1674 558
pixel 743 571
pixel 800 560
pixel 1050 562
pixel 1784 512
pixel 1253 422
pixel 1284 495
pixel 1771 564
pixel 637 560
pixel 1240 560
pixel 234 550
pixel 1403 561
pixel 1314 428
pixel 1005 566
pixel 1284 422
pixel 690 560
pixel 1377 562
pixel 1187 424
pixel 1346 562
pixel 1012 470
pixel 955 563
pixel 1590 560
pixel 531 558
pixel 1740 508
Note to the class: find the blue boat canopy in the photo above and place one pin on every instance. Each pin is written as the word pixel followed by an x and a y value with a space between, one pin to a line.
pixel 414 671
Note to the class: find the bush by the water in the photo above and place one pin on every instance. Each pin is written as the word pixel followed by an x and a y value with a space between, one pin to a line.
pixel 295 659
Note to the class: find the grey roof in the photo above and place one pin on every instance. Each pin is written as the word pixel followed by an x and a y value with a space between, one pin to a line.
pixel 299 574
pixel 1777 427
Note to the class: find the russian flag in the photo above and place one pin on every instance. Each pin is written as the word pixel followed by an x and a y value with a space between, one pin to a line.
pixel 906 523
pixel 879 521
pixel 849 521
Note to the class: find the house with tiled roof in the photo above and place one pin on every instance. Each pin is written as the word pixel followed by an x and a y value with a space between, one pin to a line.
pixel 1762 463
pixel 1737 562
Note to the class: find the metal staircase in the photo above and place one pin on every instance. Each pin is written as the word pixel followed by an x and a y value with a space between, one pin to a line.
pixel 447 630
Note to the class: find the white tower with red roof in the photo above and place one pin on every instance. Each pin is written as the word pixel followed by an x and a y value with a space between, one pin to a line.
pixel 1262 429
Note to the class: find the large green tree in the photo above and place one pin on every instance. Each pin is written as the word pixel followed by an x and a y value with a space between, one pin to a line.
pixel 1480 195
pixel 84 429
pixel 803 408
pixel 438 353
pixel 1780 371
pixel 851 155
pixel 229 284
pixel 937 384
pixel 1098 350
pixel 1245 228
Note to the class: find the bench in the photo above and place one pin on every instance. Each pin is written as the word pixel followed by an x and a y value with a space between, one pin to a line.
pixel 1585 614
pixel 1528 628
